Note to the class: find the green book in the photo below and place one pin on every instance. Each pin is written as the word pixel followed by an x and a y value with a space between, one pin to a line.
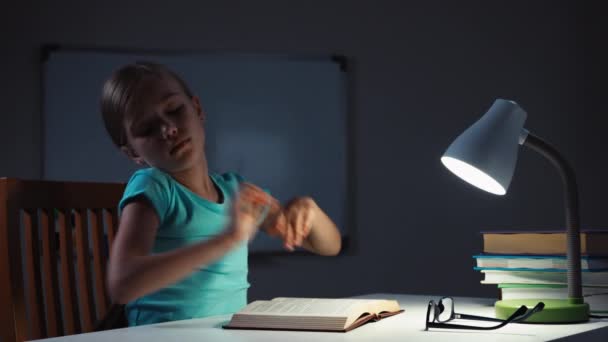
pixel 595 296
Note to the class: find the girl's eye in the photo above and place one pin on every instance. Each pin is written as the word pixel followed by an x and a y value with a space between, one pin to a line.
pixel 145 131
pixel 176 111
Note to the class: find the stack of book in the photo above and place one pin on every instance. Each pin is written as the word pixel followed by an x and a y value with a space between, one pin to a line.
pixel 533 265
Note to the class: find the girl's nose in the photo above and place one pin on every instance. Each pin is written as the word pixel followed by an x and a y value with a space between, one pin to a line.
pixel 169 130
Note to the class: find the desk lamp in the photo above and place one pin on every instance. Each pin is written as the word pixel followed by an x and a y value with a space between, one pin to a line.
pixel 485 155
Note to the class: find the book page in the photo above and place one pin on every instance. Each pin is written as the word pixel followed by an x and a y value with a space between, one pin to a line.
pixel 305 307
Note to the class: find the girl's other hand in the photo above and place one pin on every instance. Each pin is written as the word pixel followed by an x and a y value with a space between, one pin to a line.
pixel 296 220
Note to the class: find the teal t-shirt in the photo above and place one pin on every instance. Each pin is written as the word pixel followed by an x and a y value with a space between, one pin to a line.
pixel 185 218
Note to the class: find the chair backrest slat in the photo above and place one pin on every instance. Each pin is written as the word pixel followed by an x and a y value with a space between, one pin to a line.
pixel 68 279
pixel 11 278
pixel 49 266
pixel 111 219
pixel 83 260
pixel 7 294
pixel 99 261
pixel 32 268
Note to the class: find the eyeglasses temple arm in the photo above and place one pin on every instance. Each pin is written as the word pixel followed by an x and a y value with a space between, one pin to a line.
pixel 479 318
pixel 519 314
pixel 460 326
pixel 538 307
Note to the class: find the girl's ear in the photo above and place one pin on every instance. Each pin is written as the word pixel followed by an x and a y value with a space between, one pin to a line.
pixel 196 101
pixel 132 155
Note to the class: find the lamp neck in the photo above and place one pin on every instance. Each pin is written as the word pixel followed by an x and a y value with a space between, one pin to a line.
pixel 572 210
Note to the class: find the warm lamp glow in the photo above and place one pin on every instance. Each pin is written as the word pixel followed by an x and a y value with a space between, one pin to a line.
pixel 473 175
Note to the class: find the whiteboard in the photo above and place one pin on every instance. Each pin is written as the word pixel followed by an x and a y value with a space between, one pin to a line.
pixel 279 121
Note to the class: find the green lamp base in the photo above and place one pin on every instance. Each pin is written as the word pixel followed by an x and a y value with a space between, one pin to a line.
pixel 573 310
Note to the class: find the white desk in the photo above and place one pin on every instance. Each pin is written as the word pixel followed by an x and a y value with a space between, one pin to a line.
pixel 408 326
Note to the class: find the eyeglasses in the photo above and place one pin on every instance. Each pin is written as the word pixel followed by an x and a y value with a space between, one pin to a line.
pixel 438 314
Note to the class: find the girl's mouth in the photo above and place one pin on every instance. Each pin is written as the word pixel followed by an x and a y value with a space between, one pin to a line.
pixel 179 146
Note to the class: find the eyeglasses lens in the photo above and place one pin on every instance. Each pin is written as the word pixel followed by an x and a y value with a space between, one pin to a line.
pixel 444 309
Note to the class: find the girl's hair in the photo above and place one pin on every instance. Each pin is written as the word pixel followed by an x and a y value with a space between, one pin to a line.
pixel 119 94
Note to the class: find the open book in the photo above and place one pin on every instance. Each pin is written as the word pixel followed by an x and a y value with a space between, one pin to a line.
pixel 320 314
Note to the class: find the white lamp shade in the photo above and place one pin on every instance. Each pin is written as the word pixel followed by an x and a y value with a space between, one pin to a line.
pixel 486 153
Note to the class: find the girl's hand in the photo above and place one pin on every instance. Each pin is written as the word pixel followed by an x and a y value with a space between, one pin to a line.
pixel 294 223
pixel 249 207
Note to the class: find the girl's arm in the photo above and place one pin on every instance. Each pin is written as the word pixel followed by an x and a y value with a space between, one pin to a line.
pixel 324 237
pixel 134 272
pixel 303 223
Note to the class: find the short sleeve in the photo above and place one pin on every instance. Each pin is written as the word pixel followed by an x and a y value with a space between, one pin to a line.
pixel 232 180
pixel 236 177
pixel 152 188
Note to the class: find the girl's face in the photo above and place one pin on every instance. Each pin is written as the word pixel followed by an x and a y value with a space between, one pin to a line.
pixel 166 130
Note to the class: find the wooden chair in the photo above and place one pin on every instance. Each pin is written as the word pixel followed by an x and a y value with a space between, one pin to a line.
pixel 55 239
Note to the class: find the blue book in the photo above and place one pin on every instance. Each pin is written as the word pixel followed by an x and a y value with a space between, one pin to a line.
pixel 505 261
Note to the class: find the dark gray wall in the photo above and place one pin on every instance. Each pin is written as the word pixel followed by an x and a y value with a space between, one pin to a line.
pixel 423 71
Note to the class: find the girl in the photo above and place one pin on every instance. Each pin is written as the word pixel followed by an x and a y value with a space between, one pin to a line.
pixel 181 247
